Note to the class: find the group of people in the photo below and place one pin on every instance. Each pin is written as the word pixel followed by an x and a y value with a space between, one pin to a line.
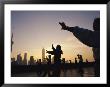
pixel 87 37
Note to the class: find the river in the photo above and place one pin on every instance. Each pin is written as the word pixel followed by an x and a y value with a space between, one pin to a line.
pixel 88 72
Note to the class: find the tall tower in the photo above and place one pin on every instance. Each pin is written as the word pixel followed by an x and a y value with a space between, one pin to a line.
pixel 19 59
pixel 32 60
pixel 43 55
pixel 12 42
pixel 25 58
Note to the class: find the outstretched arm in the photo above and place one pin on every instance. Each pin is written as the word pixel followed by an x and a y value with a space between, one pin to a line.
pixel 86 36
pixel 50 52
pixel 65 27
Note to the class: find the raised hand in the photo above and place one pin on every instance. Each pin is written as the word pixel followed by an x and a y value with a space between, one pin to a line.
pixel 64 27
pixel 53 47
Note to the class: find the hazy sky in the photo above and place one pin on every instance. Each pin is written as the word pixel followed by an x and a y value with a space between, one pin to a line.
pixel 34 30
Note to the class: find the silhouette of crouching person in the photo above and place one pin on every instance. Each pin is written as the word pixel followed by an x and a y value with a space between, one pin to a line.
pixel 57 60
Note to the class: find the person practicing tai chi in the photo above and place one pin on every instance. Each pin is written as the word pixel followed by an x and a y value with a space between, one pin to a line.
pixel 57 60
pixel 89 38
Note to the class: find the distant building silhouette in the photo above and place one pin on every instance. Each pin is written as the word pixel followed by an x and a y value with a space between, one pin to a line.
pixel 32 60
pixel 25 59
pixel 43 56
pixel 19 59
pixel 12 59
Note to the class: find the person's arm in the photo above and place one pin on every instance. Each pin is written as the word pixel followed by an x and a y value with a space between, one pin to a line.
pixel 86 36
pixel 50 52
pixel 53 47
pixel 65 27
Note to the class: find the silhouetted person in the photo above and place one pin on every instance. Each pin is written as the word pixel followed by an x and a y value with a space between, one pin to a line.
pixel 39 69
pixel 80 65
pixel 57 59
pixel 57 53
pixel 89 38
pixel 70 61
pixel 80 59
pixel 63 61
pixel 46 69
pixel 86 61
pixel 76 61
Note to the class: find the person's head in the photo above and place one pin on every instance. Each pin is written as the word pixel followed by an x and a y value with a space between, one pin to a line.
pixel 96 24
pixel 58 47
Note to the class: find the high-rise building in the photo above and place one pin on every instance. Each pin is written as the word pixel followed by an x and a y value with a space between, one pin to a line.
pixel 25 59
pixel 43 55
pixel 19 59
pixel 12 59
pixel 32 60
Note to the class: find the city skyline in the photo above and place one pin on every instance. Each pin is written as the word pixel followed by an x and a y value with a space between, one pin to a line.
pixel 19 60
pixel 34 30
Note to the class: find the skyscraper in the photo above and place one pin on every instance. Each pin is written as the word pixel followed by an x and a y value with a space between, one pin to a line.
pixel 25 59
pixel 19 59
pixel 43 55
pixel 32 60
pixel 12 59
